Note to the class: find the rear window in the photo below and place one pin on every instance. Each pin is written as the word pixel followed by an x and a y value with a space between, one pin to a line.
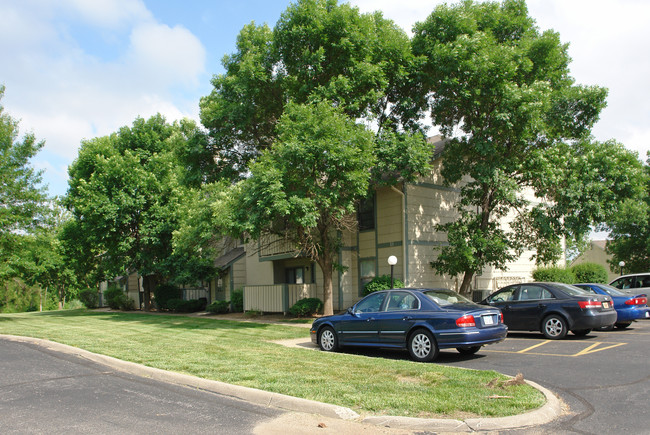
pixel 446 297
pixel 571 289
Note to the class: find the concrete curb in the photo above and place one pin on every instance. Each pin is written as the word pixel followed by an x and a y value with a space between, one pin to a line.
pixel 547 413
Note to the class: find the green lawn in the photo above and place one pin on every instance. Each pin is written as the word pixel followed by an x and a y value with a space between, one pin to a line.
pixel 241 353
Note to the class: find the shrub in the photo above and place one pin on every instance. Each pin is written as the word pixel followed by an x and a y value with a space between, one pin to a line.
pixel 554 274
pixel 114 297
pixel 237 301
pixel 381 283
pixel 164 293
pixel 218 307
pixel 306 307
pixel 178 305
pixel 89 298
pixel 590 272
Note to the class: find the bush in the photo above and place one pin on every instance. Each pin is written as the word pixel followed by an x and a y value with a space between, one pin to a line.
pixel 218 307
pixel 118 300
pixel 306 307
pixel 381 283
pixel 180 306
pixel 237 301
pixel 554 274
pixel 590 272
pixel 164 293
pixel 89 298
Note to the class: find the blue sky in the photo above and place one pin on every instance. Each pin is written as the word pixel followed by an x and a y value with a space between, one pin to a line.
pixel 76 69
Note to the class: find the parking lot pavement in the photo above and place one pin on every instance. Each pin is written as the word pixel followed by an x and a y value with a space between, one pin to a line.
pixel 604 378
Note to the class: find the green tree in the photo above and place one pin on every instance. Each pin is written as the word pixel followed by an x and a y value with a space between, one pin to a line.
pixel 502 92
pixel 318 51
pixel 629 231
pixel 124 198
pixel 305 188
pixel 22 200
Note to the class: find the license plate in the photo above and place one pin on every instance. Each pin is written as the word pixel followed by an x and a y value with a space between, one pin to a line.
pixel 488 320
pixel 605 304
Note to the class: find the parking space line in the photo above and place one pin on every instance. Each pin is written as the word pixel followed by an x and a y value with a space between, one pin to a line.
pixel 534 346
pixel 592 348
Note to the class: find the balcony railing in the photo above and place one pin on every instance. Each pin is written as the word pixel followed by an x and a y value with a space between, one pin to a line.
pixel 276 298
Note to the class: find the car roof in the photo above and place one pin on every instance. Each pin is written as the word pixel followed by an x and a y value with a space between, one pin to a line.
pixel 633 274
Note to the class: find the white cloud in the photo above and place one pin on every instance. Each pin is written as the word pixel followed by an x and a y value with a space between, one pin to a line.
pixel 65 88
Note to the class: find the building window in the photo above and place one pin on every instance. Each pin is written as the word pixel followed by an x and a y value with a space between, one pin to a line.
pixel 295 275
pixel 366 213
pixel 367 272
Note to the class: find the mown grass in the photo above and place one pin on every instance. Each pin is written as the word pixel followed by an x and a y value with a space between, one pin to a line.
pixel 242 353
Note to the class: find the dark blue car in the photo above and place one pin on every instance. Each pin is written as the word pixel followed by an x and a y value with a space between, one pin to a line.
pixel 629 306
pixel 423 321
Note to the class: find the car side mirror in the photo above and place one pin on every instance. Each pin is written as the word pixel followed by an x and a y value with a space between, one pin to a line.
pixel 351 311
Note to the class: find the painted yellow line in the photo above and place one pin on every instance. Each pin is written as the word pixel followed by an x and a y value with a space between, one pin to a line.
pixel 591 348
pixel 533 347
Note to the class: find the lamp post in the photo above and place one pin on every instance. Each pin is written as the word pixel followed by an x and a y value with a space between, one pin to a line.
pixel 392 260
pixel 621 264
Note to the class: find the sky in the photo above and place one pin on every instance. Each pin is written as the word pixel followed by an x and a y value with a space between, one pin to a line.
pixel 79 69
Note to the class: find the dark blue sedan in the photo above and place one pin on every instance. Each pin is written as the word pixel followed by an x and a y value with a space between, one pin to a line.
pixel 629 306
pixel 420 320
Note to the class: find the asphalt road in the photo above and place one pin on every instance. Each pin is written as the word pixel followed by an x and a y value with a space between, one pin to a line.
pixel 48 392
pixel 603 377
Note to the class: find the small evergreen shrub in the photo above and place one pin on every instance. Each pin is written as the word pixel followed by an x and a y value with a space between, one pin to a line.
pixel 237 301
pixel 218 307
pixel 306 307
pixel 164 293
pixel 590 272
pixel 89 298
pixel 381 283
pixel 554 274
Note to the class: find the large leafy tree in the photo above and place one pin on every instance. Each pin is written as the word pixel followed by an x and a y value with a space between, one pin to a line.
pixel 22 199
pixel 123 196
pixel 319 54
pixel 304 189
pixel 629 230
pixel 318 51
pixel 502 92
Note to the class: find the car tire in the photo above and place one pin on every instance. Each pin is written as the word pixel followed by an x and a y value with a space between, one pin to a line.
pixel 327 340
pixel 422 346
pixel 622 325
pixel 581 332
pixel 554 327
pixel 468 350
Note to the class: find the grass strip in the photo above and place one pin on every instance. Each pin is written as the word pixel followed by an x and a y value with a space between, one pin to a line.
pixel 241 353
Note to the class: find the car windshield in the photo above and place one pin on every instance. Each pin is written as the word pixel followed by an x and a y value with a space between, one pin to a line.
pixel 445 297
pixel 571 289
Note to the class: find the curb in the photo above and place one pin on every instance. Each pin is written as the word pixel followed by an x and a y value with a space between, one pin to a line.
pixel 547 413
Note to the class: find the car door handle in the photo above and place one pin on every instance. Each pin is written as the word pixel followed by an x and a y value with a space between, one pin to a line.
pixel 541 305
pixel 407 318
pixel 370 319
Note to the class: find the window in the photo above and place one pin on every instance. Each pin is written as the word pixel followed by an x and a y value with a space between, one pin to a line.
pixel 370 304
pixel 367 271
pixel 366 213
pixel 295 275
pixel 505 295
pixel 623 283
pixel 399 301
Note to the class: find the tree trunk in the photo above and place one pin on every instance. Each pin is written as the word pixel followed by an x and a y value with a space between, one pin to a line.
pixel 465 286
pixel 149 282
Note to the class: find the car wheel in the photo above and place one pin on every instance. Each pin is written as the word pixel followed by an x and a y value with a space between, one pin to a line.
pixel 581 332
pixel 623 325
pixel 327 340
pixel 422 346
pixel 554 327
pixel 468 350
